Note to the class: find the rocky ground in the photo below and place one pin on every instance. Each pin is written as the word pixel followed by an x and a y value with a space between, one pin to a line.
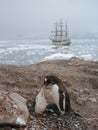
pixel 80 78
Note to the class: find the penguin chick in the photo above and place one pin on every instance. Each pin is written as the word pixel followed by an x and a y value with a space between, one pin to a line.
pixel 59 93
pixel 40 102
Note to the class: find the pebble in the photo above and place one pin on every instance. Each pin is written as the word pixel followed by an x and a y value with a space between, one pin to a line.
pixel 93 100
pixel 52 120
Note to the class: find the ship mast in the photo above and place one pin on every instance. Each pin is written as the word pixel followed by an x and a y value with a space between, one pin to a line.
pixel 56 31
pixel 66 31
pixel 61 33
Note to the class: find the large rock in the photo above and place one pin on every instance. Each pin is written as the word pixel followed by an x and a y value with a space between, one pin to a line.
pixel 13 109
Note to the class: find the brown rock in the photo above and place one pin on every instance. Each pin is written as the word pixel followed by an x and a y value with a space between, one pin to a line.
pixel 13 110
pixel 81 101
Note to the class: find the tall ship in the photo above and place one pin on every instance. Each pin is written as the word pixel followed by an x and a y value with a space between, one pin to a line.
pixel 59 36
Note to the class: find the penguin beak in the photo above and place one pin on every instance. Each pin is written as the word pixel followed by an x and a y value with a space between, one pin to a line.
pixel 45 85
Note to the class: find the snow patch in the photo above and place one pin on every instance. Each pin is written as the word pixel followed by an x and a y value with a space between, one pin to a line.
pixel 20 120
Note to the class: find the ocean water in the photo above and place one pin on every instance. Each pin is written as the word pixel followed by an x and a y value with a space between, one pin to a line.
pixel 25 52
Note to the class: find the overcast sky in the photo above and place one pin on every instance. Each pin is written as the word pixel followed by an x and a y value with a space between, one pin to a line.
pixel 19 17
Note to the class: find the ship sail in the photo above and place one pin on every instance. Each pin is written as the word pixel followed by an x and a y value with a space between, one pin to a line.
pixel 60 35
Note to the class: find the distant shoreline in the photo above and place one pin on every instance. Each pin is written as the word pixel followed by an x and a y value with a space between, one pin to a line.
pixel 48 61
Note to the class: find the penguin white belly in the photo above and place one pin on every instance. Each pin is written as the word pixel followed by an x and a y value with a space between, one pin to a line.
pixel 55 95
pixel 40 103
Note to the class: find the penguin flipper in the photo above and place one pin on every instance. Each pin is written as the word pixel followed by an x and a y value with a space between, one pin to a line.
pixel 61 98
pixel 68 105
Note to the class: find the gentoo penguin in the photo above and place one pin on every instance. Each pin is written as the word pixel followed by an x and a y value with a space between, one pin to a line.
pixel 40 102
pixel 59 93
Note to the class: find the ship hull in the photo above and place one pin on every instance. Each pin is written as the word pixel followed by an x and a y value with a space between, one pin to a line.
pixel 62 43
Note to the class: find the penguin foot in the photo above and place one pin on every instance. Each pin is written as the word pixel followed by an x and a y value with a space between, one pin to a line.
pixel 39 113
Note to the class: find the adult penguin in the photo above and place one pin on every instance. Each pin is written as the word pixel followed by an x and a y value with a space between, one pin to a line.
pixel 59 94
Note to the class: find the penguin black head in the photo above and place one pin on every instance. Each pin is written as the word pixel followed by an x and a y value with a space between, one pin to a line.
pixel 51 80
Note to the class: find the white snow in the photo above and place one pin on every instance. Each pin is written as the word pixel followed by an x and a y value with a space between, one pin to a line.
pixel 20 120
